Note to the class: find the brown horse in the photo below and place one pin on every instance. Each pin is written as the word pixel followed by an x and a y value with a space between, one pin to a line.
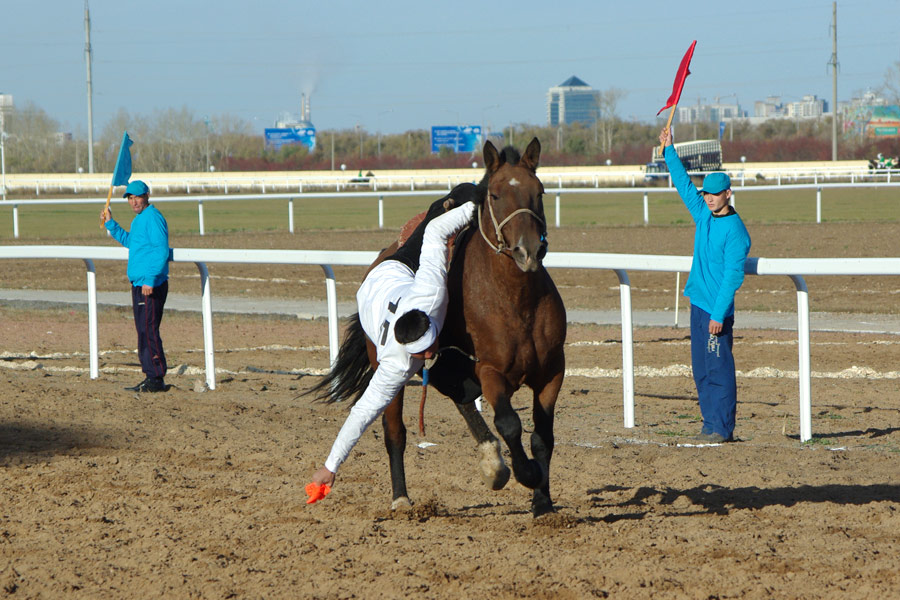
pixel 505 327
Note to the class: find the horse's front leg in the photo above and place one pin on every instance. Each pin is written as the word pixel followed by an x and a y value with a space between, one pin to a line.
pixel 494 471
pixel 395 443
pixel 542 440
pixel 498 393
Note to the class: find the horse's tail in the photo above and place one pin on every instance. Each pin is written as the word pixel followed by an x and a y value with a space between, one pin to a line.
pixel 351 372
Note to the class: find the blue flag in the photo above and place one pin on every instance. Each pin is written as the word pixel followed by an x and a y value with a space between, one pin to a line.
pixel 122 172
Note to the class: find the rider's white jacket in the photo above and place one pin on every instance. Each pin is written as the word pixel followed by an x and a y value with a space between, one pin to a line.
pixel 391 290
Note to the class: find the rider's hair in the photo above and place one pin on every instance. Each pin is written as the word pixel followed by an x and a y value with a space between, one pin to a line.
pixel 411 326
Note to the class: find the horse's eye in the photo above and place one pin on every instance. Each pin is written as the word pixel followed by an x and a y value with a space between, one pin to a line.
pixel 495 197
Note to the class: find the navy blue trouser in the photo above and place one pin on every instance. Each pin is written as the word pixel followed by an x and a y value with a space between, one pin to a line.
pixel 713 366
pixel 148 312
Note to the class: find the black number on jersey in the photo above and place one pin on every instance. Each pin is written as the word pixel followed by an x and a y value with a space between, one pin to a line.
pixel 392 308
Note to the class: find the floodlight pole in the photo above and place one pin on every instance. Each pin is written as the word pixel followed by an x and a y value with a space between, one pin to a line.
pixel 3 151
pixel 834 65
pixel 87 60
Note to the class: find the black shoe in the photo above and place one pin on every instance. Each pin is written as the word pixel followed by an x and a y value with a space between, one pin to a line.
pixel 150 384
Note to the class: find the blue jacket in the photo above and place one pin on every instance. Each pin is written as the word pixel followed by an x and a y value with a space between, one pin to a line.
pixel 721 245
pixel 148 247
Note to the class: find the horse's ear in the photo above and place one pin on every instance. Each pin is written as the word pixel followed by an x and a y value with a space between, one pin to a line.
pixel 532 155
pixel 491 157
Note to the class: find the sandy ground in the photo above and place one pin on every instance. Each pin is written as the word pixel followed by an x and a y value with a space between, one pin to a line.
pixel 199 494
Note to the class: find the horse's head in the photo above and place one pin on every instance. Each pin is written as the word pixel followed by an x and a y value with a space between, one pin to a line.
pixel 513 212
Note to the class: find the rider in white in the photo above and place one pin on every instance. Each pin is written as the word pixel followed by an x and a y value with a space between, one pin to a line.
pixel 390 291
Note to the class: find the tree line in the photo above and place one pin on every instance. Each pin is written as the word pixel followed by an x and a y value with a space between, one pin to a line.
pixel 178 140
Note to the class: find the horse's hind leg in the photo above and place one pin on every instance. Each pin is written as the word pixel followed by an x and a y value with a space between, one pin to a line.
pixel 494 471
pixel 542 440
pixel 395 442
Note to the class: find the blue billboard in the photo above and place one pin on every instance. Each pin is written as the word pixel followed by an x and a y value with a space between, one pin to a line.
pixel 465 138
pixel 276 138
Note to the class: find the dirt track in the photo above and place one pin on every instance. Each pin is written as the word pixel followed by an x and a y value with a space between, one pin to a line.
pixel 199 494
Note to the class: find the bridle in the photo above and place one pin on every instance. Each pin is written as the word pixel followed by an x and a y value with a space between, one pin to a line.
pixel 501 241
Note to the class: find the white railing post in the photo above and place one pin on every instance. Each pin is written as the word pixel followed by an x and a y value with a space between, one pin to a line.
pixel 206 311
pixel 803 371
pixel 16 221
pixel 93 351
pixel 677 295
pixel 291 215
pixel 627 347
pixel 381 211
pixel 818 205
pixel 557 210
pixel 200 214
pixel 646 210
pixel 331 300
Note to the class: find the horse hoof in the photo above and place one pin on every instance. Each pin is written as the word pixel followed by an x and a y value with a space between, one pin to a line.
pixel 541 505
pixel 401 503
pixel 494 471
pixel 498 479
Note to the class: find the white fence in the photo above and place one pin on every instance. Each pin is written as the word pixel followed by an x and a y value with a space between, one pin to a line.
pixel 794 268
pixel 300 181
pixel 818 187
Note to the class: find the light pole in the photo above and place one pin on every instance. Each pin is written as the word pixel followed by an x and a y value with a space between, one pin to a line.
pixel 207 143
pixel 484 127
pixel 3 150
pixel 384 112
pixel 359 133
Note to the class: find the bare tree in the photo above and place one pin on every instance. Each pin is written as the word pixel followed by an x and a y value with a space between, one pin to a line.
pixel 891 87
pixel 607 123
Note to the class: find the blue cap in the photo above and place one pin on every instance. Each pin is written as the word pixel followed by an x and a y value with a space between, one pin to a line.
pixel 716 183
pixel 136 188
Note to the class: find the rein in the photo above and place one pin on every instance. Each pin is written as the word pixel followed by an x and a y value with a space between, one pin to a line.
pixel 501 241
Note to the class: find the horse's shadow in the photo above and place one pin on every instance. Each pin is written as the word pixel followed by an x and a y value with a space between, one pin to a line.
pixel 28 443
pixel 719 500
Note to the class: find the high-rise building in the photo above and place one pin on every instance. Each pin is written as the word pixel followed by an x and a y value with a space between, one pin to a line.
pixel 572 101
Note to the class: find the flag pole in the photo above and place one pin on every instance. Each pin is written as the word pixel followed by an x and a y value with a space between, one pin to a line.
pixel 106 208
pixel 662 147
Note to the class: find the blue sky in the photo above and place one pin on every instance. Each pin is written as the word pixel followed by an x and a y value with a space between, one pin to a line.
pixel 395 66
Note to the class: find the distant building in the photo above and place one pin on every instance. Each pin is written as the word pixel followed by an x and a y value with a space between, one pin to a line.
pixel 709 113
pixel 572 101
pixel 808 107
pixel 290 129
pixel 770 108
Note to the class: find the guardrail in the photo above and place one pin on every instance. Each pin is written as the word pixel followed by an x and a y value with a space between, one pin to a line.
pixel 794 268
pixel 301 181
pixel 558 191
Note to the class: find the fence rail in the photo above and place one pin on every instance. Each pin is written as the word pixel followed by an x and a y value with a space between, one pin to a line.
pixel 738 187
pixel 794 268
pixel 301 181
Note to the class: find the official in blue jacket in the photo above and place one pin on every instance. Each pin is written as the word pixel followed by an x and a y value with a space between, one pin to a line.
pixel 148 271
pixel 721 245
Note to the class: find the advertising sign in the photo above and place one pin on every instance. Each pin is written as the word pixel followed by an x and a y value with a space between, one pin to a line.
pixel 276 138
pixel 466 138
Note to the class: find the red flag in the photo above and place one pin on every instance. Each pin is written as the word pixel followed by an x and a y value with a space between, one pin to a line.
pixel 682 74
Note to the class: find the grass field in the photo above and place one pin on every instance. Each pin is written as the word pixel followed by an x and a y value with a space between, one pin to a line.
pixel 38 222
